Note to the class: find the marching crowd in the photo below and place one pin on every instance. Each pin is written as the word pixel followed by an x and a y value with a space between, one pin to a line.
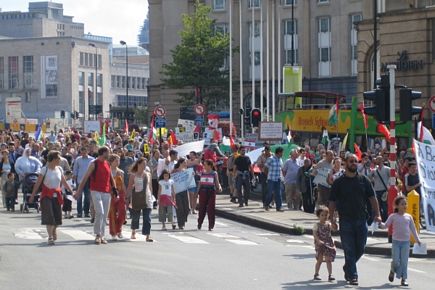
pixel 127 176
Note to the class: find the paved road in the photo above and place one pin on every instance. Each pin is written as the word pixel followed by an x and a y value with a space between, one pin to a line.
pixel 233 256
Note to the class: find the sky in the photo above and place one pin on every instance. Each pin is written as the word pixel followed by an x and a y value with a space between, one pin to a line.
pixel 120 19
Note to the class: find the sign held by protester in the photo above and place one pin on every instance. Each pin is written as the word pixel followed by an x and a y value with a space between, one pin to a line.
pixel 425 155
pixel 183 180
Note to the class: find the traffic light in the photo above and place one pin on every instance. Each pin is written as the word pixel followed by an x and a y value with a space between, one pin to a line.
pixel 407 110
pixel 62 114
pixel 255 117
pixel 380 97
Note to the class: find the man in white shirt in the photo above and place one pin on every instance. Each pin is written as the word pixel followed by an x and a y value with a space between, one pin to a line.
pixel 167 163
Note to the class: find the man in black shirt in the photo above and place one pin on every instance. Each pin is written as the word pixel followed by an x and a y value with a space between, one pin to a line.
pixel 242 171
pixel 349 195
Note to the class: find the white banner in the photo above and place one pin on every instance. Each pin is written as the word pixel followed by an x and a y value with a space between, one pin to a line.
pixel 92 126
pixel 13 110
pixel 321 176
pixel 183 180
pixel 425 154
pixel 185 149
pixel 254 154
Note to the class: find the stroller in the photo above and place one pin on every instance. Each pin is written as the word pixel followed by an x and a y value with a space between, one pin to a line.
pixel 29 182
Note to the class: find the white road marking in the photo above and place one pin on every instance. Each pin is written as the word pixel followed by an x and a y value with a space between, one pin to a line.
pixel 223 236
pixel 77 235
pixel 188 240
pixel 370 259
pixel 28 234
pixel 266 234
pixel 242 242
pixel 295 241
pixel 221 224
pixel 309 236
pixel 416 271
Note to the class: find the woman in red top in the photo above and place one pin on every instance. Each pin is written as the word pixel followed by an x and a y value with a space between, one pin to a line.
pixel 100 186
pixel 51 178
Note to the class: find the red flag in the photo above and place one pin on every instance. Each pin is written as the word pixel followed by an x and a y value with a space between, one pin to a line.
pixel 421 126
pixel 151 133
pixel 173 138
pixel 358 152
pixel 216 136
pixel 197 129
pixel 381 128
pixel 361 108
pixel 232 145
pixel 126 127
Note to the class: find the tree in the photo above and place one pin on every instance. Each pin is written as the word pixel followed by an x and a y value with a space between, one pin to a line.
pixel 198 61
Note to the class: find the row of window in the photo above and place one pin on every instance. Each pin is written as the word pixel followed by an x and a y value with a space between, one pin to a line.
pixel 90 60
pixel 13 72
pixel 91 79
pixel 133 101
pixel 20 15
pixel 219 5
pixel 137 83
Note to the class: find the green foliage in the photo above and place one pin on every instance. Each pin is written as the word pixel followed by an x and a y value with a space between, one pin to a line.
pixel 198 61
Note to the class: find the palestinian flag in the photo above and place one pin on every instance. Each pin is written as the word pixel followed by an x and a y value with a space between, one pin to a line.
pixel 333 114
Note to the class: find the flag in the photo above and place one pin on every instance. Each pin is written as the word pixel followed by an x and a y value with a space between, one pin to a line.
pixel 358 152
pixel 126 127
pixel 325 137
pixel 363 113
pixel 96 137
pixel 424 135
pixel 232 144
pixel 381 128
pixel 343 145
pixel 333 114
pixel 102 139
pixel 197 129
pixel 172 138
pixel 38 133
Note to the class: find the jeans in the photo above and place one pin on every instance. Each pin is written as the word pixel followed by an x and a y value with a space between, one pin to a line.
pixel 263 182
pixel 400 255
pixel 243 180
pixel 101 201
pixel 383 207
pixel 353 235
pixel 83 203
pixel 274 187
pixel 146 216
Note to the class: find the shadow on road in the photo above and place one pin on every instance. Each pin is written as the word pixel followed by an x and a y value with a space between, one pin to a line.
pixel 311 284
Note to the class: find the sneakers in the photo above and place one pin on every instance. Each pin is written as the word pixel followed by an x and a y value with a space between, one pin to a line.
pixel 391 276
pixel 199 227
pixel 331 278
pixel 404 283
pixel 98 240
pixel 354 282
pixel 317 277
pixel 346 277
pixel 103 241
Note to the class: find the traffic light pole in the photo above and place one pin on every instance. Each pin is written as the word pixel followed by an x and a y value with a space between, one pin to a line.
pixel 392 191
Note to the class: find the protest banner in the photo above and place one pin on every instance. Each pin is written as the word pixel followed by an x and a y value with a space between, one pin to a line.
pixel 185 149
pixel 425 155
pixel 183 180
pixel 321 176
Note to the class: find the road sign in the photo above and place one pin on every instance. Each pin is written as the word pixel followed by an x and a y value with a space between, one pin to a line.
pixel 199 109
pixel 160 122
pixel 432 104
pixel 270 131
pixel 199 121
pixel 159 111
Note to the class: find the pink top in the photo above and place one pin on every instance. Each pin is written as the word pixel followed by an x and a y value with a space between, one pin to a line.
pixel 403 226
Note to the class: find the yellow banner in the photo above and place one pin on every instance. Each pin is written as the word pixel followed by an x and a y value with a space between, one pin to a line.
pixel 314 120
pixel 292 81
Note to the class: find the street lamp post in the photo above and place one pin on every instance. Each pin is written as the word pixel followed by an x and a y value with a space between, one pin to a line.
pixel 96 76
pixel 126 76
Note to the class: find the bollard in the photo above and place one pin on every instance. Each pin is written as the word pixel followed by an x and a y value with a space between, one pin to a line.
pixel 392 194
pixel 413 209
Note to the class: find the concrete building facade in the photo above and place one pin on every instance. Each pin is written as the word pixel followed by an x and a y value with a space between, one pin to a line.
pixel 324 39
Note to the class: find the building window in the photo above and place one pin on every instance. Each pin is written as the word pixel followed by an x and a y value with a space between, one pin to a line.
pixel 28 71
pixel 118 81
pixel 123 83
pixel 81 102
pixel 290 27
pixel 322 1
pixel 2 72
pixel 290 2
pixel 113 81
pixel 13 72
pixel 82 61
pixel 325 54
pixel 51 91
pixel 221 28
pixel 133 83
pixel 91 59
pixel 254 3
pixel 28 97
pixel 100 61
pixel 218 5
pixel 256 29
pixel 291 58
pixel 99 80
pixel 81 78
pixel 354 19
pixel 133 101
pixel 86 59
pixel 324 24
pixel 90 79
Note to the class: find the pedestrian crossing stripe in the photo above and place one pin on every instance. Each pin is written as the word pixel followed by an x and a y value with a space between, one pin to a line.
pixel 242 242
pixel 77 234
pixel 28 234
pixel 188 239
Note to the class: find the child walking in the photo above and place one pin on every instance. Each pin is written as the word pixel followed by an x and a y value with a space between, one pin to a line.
pixel 10 190
pixel 323 242
pixel 403 227
pixel 166 198
pixel 67 204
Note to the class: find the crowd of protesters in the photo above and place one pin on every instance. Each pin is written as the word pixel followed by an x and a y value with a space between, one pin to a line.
pixel 126 175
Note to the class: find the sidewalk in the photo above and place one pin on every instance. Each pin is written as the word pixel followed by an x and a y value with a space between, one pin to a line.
pixel 292 222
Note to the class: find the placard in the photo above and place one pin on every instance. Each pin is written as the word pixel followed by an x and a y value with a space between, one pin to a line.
pixel 321 177
pixel 183 180
pixel 92 126
pixel 270 131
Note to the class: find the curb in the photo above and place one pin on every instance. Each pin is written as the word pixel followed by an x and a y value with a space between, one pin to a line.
pixel 285 229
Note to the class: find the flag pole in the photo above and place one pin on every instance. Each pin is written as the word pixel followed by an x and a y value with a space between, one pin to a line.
pixel 231 64
pixel 267 62
pixel 241 68
pixel 261 63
